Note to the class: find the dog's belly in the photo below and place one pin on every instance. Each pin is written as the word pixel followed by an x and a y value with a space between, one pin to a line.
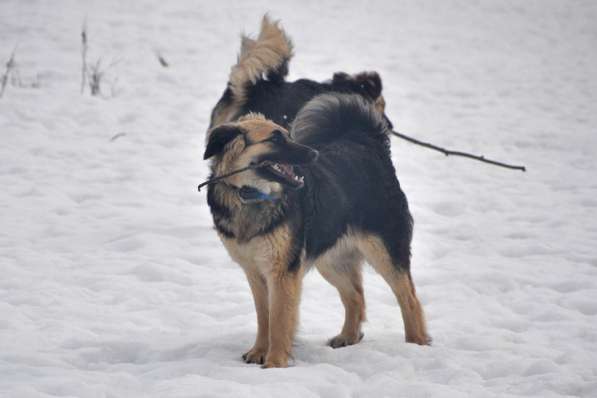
pixel 269 253
pixel 341 255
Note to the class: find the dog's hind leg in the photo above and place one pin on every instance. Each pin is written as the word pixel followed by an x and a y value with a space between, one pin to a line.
pixel 399 278
pixel 344 273
pixel 259 289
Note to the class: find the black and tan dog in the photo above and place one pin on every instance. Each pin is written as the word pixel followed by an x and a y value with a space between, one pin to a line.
pixel 257 83
pixel 332 213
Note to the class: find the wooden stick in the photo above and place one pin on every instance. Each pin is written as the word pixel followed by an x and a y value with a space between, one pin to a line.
pixel 448 152
pixel 9 67
pixel 83 56
pixel 218 178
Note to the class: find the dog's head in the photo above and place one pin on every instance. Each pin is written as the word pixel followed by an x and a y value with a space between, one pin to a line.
pixel 366 84
pixel 254 140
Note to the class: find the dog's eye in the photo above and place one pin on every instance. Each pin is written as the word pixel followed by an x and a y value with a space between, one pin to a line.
pixel 277 137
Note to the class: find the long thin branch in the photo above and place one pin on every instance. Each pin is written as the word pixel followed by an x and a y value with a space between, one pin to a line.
pixel 83 56
pixel 9 67
pixel 221 177
pixel 449 152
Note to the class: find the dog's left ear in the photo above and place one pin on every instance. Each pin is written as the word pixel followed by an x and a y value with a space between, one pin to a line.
pixel 370 82
pixel 219 137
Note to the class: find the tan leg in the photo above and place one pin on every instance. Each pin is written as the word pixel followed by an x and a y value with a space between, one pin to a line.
pixel 347 278
pixel 415 328
pixel 284 296
pixel 401 283
pixel 259 289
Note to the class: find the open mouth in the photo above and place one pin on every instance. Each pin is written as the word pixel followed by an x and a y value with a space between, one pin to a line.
pixel 285 174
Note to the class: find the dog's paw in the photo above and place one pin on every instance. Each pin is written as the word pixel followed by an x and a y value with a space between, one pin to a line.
pixel 275 361
pixel 420 340
pixel 342 340
pixel 255 355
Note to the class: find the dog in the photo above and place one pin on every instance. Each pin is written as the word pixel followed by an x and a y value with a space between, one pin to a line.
pixel 327 198
pixel 257 83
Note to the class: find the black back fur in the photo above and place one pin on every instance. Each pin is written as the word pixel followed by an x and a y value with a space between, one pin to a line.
pixel 280 100
pixel 353 183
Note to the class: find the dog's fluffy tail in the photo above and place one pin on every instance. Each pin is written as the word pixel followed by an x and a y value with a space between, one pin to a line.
pixel 267 56
pixel 329 117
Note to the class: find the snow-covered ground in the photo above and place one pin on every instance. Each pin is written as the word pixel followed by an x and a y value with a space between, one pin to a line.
pixel 114 284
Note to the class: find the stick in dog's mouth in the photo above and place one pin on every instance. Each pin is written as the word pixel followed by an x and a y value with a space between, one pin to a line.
pixel 252 166
pixel 280 170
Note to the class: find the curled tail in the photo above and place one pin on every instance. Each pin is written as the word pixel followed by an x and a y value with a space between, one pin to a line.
pixel 333 116
pixel 265 57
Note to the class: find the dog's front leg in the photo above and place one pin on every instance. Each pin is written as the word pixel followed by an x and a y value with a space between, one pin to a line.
pixel 259 289
pixel 284 289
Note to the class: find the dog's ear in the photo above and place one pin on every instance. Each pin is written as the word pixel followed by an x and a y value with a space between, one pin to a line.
pixel 219 137
pixel 370 83
pixel 341 79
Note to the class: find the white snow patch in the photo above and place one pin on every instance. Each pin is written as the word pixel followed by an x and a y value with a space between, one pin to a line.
pixel 114 283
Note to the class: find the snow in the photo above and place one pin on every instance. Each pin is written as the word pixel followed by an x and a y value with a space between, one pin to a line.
pixel 114 283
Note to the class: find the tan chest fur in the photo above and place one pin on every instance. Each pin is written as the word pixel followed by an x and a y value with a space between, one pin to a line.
pixel 265 254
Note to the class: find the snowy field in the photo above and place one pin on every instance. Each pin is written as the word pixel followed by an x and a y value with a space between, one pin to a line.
pixel 114 284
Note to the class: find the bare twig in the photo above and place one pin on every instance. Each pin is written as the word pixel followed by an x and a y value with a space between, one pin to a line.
pixel 221 177
pixel 95 77
pixel 448 152
pixel 117 136
pixel 84 56
pixel 96 74
pixel 10 65
pixel 162 60
pixel 92 74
